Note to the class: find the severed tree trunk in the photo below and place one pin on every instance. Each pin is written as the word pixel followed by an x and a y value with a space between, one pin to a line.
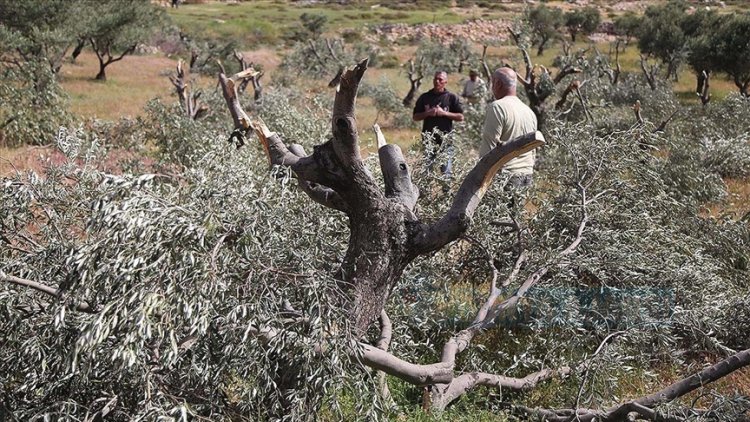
pixel 188 100
pixel 385 233
pixel 254 79
pixel 486 68
pixel 702 88
pixel 415 75
pixel 649 72
pixel 536 92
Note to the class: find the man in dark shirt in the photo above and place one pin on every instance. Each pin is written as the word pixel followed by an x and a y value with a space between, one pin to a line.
pixel 438 108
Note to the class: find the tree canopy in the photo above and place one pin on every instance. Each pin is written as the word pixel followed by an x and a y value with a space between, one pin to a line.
pixel 39 31
pixel 545 25
pixel 114 28
pixel 584 20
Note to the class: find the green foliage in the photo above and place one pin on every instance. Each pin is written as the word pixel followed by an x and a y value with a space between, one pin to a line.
pixel 545 23
pixel 447 58
pixel 314 24
pixel 732 50
pixel 39 30
pixel 322 58
pixel 32 105
pixel 584 20
pixel 627 24
pixel 132 228
pixel 311 26
pixel 115 27
pixel 661 35
pixel 387 103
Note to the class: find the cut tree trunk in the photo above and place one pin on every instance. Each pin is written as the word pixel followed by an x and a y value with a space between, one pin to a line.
pixel 385 233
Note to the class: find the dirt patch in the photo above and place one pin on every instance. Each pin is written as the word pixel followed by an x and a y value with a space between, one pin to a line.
pixel 268 59
pixel 39 158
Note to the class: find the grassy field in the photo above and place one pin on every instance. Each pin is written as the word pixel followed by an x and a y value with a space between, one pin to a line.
pixel 267 21
pixel 130 84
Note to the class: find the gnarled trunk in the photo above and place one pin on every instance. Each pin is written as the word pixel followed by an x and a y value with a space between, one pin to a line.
pixel 385 233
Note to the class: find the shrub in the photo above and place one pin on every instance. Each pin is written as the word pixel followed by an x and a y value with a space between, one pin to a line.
pixel 32 105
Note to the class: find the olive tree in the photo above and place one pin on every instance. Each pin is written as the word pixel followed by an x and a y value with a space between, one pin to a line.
pixel 661 35
pixel 25 92
pixel 545 23
pixel 386 235
pixel 733 51
pixel 115 28
pixel 38 31
pixel 584 20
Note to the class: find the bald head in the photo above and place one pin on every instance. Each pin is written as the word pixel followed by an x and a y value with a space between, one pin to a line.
pixel 503 82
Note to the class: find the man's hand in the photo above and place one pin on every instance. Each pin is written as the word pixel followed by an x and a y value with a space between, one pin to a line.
pixel 436 111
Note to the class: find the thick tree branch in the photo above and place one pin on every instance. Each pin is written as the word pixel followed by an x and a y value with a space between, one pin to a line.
pixel 396 172
pixel 564 97
pixel 637 111
pixel 443 395
pixel 415 80
pixel 644 406
pixel 486 68
pixel 457 219
pixel 317 192
pixel 565 71
pixel 412 373
pixel 704 79
pixel 353 178
pixel 40 287
pixel 650 73
pixel 344 128
pixel 188 100
pixel 242 123
pixel 686 385
pixel 528 79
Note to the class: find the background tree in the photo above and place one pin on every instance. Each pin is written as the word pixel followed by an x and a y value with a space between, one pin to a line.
pixel 661 35
pixel 114 28
pixel 35 36
pixel 732 50
pixel 38 31
pixel 584 20
pixel 311 27
pixel 545 23
pixel 25 92
pixel 627 25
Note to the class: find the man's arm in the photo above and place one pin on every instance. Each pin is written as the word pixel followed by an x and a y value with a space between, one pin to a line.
pixel 418 115
pixel 456 117
pixel 430 112
pixel 455 111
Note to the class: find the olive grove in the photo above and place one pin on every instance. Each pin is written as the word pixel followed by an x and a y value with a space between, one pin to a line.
pixel 339 285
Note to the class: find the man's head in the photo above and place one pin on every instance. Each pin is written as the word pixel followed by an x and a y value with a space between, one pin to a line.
pixel 473 75
pixel 503 82
pixel 439 81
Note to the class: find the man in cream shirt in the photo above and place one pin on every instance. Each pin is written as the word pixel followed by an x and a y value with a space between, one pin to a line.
pixel 507 118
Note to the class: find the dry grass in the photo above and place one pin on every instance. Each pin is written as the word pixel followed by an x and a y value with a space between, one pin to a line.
pixel 737 203
pixel 130 84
